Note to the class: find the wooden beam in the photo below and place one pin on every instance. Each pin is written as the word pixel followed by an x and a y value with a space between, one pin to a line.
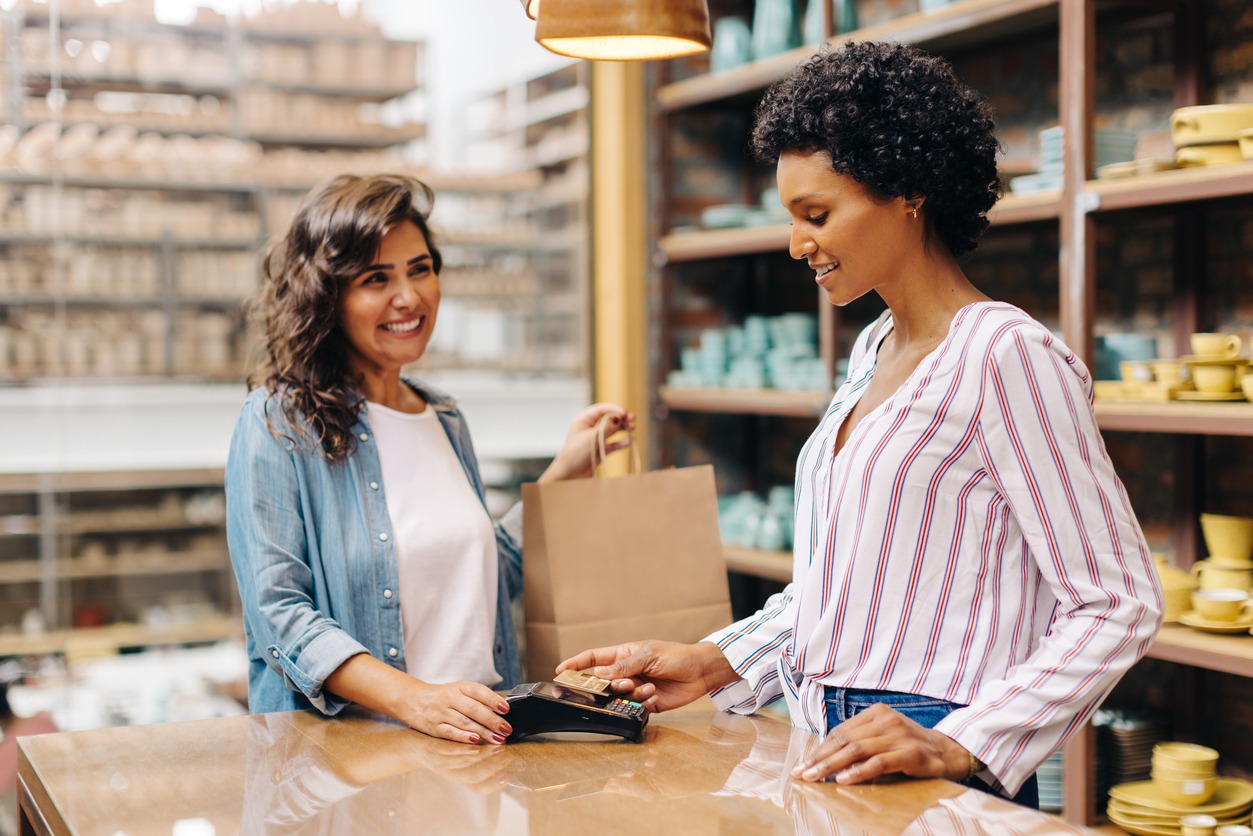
pixel 619 243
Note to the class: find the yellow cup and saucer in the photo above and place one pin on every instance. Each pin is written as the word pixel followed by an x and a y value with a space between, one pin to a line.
pixel 1220 611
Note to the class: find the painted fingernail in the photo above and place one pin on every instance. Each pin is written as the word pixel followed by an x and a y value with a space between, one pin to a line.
pixel 506 730
pixel 502 708
pixel 499 738
pixel 474 738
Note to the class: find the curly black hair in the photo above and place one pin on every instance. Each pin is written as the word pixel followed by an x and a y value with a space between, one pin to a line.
pixel 897 121
pixel 334 235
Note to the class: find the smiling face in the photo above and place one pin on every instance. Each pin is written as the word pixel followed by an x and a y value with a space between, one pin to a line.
pixel 387 313
pixel 854 241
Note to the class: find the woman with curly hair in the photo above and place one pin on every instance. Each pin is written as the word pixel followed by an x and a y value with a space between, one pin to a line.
pixel 368 567
pixel 969 579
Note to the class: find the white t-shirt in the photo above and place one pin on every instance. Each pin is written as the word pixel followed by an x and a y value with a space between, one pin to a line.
pixel 445 550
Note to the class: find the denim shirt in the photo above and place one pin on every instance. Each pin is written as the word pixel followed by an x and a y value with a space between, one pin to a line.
pixel 313 550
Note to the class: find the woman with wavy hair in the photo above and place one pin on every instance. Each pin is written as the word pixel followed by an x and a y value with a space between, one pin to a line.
pixel 368 567
pixel 969 580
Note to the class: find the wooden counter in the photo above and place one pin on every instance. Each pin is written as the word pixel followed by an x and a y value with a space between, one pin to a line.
pixel 697 772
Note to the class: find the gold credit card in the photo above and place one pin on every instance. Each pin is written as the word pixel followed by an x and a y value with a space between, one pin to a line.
pixel 583 681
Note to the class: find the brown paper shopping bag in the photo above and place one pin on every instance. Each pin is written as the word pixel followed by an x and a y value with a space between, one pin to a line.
pixel 609 560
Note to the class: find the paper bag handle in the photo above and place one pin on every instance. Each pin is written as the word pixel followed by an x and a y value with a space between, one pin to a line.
pixel 601 427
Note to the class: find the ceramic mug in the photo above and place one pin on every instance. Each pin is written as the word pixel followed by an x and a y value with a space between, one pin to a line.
pixel 1112 349
pixel 1197 824
pixel 1220 604
pixel 1216 345
pixel 1229 538
pixel 1216 378
pixel 733 44
pixel 1216 573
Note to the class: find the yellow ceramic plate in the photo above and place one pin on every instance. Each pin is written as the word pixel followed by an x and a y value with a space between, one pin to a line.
pixel 1231 795
pixel 1142 829
pixel 1191 619
pixel 1139 815
pixel 1188 395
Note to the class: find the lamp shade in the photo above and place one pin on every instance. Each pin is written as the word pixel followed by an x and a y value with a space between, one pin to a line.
pixel 531 7
pixel 624 30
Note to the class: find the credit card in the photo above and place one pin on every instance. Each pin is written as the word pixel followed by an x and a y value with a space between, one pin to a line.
pixel 583 681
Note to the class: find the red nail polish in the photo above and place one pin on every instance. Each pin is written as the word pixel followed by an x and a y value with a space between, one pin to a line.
pixel 474 738
pixel 502 708
pixel 499 738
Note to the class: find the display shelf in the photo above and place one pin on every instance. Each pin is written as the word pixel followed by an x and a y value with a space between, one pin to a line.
pixel 111 480
pixel 134 183
pixel 1019 209
pixel 1176 417
pixel 957 25
pixel 700 244
pixel 385 138
pixel 1216 652
pixel 170 563
pixel 747 401
pixel 365 93
pixel 1166 188
pixel 774 566
pixel 129 241
pixel 113 638
pixel 46 301
pixel 39 80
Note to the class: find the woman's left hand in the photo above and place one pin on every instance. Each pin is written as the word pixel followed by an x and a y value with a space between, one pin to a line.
pixel 576 456
pixel 882 741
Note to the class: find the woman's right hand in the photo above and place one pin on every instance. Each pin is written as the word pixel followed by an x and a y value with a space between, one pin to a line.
pixel 661 675
pixel 466 712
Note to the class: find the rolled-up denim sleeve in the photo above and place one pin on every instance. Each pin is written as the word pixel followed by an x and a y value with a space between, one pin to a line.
pixel 267 537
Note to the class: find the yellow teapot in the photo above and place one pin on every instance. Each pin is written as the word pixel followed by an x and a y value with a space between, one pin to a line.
pixel 1177 588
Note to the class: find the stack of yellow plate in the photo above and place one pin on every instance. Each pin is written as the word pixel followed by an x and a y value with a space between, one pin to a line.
pixel 1139 807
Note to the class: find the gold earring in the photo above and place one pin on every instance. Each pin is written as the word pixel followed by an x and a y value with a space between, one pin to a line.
pixel 913 212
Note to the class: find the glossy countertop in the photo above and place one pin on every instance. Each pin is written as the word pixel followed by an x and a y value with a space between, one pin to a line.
pixel 698 771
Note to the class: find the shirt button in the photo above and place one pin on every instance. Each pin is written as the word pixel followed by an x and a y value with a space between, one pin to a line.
pixel 383 536
pixel 374 486
pixel 387 593
pixel 364 436
pixel 392 652
pixel 274 653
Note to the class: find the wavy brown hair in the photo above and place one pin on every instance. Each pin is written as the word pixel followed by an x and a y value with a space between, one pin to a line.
pixel 333 238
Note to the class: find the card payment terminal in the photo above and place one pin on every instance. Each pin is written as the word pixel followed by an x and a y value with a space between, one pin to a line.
pixel 543 707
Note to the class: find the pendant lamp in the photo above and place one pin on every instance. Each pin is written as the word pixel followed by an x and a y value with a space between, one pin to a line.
pixel 624 30
pixel 531 7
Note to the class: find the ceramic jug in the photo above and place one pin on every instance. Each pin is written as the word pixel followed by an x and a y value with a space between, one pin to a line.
pixel 1177 587
pixel 1217 573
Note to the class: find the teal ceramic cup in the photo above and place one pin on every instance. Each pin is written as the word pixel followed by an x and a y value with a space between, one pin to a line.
pixel 732 46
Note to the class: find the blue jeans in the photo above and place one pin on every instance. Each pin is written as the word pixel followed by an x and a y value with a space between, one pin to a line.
pixel 843 703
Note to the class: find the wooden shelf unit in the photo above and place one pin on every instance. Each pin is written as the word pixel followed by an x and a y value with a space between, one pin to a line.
pixel 1076 208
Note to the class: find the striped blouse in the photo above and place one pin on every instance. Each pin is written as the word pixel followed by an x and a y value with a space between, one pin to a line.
pixel 970 542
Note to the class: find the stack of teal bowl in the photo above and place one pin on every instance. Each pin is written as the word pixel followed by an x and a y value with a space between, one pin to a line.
pixel 748 521
pixel 1111 146
pixel 766 352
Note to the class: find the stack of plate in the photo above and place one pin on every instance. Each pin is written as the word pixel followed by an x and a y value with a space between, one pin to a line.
pixel 1127 741
pixel 1049 778
pixel 1139 807
pixel 1110 147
